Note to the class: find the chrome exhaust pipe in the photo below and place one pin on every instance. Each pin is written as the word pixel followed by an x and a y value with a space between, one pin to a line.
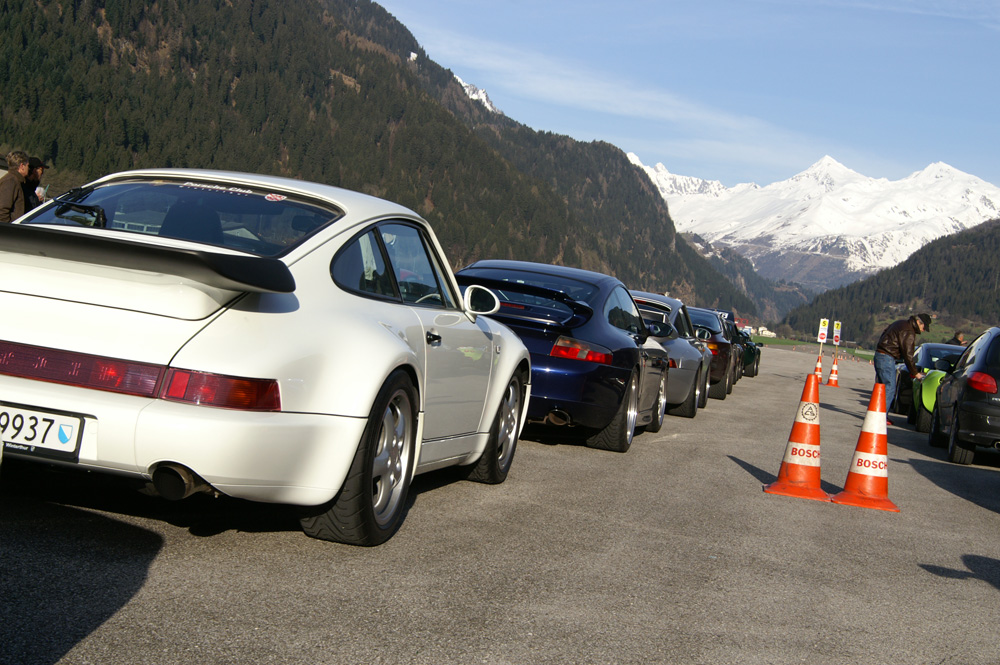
pixel 557 417
pixel 175 482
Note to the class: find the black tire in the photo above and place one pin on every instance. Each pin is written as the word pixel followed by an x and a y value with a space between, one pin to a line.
pixel 751 371
pixel 732 381
pixel 703 393
pixel 617 436
pixel 370 506
pixel 936 437
pixel 659 407
pixel 959 451
pixel 922 420
pixel 722 388
pixel 689 407
pixel 911 414
pixel 496 459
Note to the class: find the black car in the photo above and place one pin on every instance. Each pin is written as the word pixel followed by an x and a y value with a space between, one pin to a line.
pixel 967 408
pixel 593 365
pixel 715 333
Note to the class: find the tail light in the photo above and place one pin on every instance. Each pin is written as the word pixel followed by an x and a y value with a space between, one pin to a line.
pixel 140 379
pixel 227 392
pixel 671 363
pixel 713 347
pixel 567 347
pixel 983 382
pixel 79 369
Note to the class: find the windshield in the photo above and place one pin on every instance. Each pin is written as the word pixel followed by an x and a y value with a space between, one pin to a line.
pixel 265 223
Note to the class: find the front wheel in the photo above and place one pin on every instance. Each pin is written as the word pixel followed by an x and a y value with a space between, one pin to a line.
pixel 496 459
pixel 370 506
pixel 722 388
pixel 617 436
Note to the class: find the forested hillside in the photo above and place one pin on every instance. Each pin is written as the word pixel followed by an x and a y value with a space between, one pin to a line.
pixel 955 278
pixel 326 90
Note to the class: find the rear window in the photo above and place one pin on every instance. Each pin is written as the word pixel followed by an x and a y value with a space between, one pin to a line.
pixel 510 299
pixel 265 223
pixel 706 320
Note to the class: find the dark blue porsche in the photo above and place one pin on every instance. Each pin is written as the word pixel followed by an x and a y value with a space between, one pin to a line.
pixel 593 365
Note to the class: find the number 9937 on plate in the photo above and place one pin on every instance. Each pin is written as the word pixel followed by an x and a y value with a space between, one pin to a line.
pixel 26 430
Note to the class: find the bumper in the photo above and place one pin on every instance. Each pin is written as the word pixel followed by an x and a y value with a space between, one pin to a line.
pixel 291 458
pixel 588 393
pixel 979 423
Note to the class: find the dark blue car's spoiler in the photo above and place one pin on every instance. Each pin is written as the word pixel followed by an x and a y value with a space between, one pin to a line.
pixel 223 271
pixel 578 308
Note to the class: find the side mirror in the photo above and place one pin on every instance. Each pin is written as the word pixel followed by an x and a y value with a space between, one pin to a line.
pixel 480 300
pixel 944 365
pixel 660 329
pixel 703 334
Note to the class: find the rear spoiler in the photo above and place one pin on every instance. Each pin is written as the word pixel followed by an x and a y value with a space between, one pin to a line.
pixel 224 271
pixel 579 308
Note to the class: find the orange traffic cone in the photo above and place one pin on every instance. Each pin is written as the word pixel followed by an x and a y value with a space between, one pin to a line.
pixel 867 482
pixel 832 381
pixel 799 475
pixel 819 367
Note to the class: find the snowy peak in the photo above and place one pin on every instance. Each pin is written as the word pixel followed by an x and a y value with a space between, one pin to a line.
pixel 828 225
pixel 478 95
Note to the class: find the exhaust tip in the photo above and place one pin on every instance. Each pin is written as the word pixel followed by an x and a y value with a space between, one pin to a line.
pixel 175 482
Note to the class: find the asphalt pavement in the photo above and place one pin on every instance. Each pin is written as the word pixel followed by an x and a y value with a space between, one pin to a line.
pixel 670 553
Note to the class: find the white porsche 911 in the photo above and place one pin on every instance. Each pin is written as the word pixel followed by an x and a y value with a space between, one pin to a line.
pixel 264 338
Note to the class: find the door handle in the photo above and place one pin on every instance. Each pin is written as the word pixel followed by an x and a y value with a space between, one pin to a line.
pixel 433 338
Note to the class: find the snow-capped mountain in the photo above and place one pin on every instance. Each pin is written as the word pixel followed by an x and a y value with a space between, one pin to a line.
pixel 478 95
pixel 828 225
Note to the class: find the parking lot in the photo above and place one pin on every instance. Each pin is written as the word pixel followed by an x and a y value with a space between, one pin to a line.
pixel 670 553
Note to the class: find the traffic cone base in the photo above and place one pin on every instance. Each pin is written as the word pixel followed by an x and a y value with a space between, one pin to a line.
pixel 867 484
pixel 799 475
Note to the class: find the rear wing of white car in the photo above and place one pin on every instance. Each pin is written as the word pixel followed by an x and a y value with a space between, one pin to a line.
pixel 233 272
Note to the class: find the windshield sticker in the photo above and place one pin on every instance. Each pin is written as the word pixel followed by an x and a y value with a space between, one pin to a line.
pixel 232 189
pixel 275 197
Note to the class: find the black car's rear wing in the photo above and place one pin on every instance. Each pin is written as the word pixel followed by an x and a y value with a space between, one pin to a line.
pixel 224 271
pixel 580 310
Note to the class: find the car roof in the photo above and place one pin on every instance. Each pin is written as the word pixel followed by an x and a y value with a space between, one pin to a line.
pixel 352 203
pixel 596 278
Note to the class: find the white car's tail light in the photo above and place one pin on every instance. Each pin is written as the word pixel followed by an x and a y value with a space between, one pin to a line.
pixel 140 379
pixel 229 392
pixel 79 369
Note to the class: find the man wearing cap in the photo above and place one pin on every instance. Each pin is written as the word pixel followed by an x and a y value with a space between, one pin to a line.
pixel 896 345
pixel 36 168
pixel 11 186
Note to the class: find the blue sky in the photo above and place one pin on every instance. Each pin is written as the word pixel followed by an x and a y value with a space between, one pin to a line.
pixel 738 90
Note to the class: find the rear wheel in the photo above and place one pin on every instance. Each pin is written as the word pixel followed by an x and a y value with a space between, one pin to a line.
pixel 496 459
pixel 370 506
pixel 617 436
pixel 959 452
pixel 703 391
pixel 722 388
pixel 689 407
pixel 936 437
pixel 922 421
pixel 659 408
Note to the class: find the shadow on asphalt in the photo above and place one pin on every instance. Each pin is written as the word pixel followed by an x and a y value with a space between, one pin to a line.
pixel 766 478
pixel 65 572
pixel 984 568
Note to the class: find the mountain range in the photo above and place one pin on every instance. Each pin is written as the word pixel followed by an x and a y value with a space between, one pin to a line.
pixel 827 226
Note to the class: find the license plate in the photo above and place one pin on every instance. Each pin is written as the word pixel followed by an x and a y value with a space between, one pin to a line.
pixel 30 431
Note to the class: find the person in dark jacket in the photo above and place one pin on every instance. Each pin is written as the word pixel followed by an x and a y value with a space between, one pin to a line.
pixel 958 339
pixel 12 186
pixel 896 345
